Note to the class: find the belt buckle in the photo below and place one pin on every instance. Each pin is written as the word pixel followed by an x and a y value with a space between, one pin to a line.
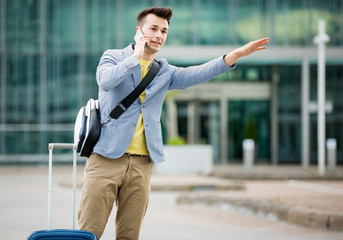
pixel 135 155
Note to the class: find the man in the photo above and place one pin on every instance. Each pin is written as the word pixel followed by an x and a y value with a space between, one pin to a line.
pixel 120 167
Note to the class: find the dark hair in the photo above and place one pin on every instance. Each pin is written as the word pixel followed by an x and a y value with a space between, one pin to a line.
pixel 163 12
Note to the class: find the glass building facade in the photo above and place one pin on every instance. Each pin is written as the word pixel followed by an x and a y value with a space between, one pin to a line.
pixel 49 51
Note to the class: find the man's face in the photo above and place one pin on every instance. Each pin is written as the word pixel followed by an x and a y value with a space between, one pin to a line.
pixel 156 29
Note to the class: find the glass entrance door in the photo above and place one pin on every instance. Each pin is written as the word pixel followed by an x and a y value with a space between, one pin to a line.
pixel 249 119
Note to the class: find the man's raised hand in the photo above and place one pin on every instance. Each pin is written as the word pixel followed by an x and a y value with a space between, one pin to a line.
pixel 245 50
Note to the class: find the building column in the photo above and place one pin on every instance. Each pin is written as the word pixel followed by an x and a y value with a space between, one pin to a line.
pixel 193 123
pixel 214 129
pixel 120 13
pixel 224 126
pixel 42 72
pixel 82 53
pixel 274 118
pixel 305 113
pixel 172 127
pixel 3 77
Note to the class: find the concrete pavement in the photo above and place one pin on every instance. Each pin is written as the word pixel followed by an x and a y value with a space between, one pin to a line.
pixel 292 194
pixel 306 203
pixel 277 172
pixel 312 203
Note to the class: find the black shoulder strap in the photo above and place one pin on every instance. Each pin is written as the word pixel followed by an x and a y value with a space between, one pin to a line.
pixel 126 103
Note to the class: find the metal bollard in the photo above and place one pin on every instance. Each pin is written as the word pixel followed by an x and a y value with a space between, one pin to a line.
pixel 331 146
pixel 248 155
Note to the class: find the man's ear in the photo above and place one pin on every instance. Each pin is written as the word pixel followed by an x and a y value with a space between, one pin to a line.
pixel 138 27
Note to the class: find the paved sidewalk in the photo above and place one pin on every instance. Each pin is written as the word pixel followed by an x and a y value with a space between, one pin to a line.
pixel 291 194
pixel 288 195
pixel 269 172
pixel 307 203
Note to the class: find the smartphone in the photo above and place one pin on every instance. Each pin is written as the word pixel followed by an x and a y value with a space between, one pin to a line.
pixel 139 33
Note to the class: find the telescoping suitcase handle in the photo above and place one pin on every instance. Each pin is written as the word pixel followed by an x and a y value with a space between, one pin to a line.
pixel 53 146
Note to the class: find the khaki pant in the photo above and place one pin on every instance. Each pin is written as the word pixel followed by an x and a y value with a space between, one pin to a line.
pixel 125 181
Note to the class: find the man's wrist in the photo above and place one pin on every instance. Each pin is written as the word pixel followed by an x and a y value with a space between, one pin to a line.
pixel 227 63
pixel 138 56
pixel 231 58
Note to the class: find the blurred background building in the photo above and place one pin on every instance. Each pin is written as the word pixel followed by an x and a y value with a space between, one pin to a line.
pixel 49 51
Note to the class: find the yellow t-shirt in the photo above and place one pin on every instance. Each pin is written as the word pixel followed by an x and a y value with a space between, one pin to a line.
pixel 138 143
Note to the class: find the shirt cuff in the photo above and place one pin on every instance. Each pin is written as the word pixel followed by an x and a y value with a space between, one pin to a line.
pixel 233 65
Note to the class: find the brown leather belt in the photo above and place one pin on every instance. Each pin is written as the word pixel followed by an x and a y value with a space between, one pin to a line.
pixel 135 155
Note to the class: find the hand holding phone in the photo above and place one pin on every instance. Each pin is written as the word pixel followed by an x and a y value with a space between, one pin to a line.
pixel 140 45
pixel 138 35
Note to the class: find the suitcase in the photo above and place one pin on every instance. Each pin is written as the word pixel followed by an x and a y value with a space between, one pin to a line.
pixel 61 234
